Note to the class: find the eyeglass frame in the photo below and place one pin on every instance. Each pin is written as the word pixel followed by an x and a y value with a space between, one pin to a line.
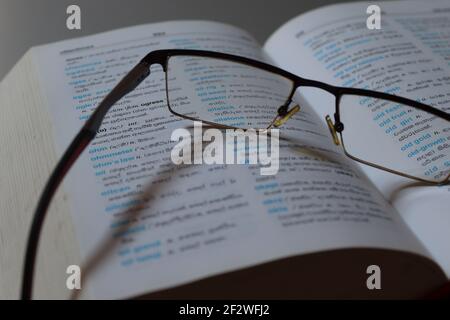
pixel 138 74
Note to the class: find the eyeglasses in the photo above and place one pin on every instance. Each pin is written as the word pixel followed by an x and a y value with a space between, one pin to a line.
pixel 385 131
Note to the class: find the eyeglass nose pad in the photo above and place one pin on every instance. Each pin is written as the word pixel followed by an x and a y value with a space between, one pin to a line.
pixel 279 121
pixel 332 130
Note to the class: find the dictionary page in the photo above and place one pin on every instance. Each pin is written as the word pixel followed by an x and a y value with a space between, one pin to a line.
pixel 409 56
pixel 172 224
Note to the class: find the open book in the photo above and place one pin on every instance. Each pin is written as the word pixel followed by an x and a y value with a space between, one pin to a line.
pixel 138 224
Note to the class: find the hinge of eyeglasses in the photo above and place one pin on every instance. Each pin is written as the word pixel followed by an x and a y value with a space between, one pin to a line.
pixel 332 130
pixel 283 119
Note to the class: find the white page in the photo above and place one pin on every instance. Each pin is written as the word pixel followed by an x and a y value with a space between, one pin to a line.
pixel 194 221
pixel 425 208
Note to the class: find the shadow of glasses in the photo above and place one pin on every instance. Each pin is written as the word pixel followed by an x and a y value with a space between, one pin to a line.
pixel 109 243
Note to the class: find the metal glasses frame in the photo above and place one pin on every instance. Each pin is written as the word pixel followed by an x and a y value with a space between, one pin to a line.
pixel 133 79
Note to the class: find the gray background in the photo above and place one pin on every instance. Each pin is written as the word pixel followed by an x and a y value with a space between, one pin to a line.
pixel 26 23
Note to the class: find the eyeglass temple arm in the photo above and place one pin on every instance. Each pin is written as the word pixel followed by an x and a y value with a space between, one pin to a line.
pixel 79 143
pixel 125 86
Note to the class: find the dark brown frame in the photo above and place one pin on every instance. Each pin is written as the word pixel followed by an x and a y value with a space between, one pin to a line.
pixel 131 81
